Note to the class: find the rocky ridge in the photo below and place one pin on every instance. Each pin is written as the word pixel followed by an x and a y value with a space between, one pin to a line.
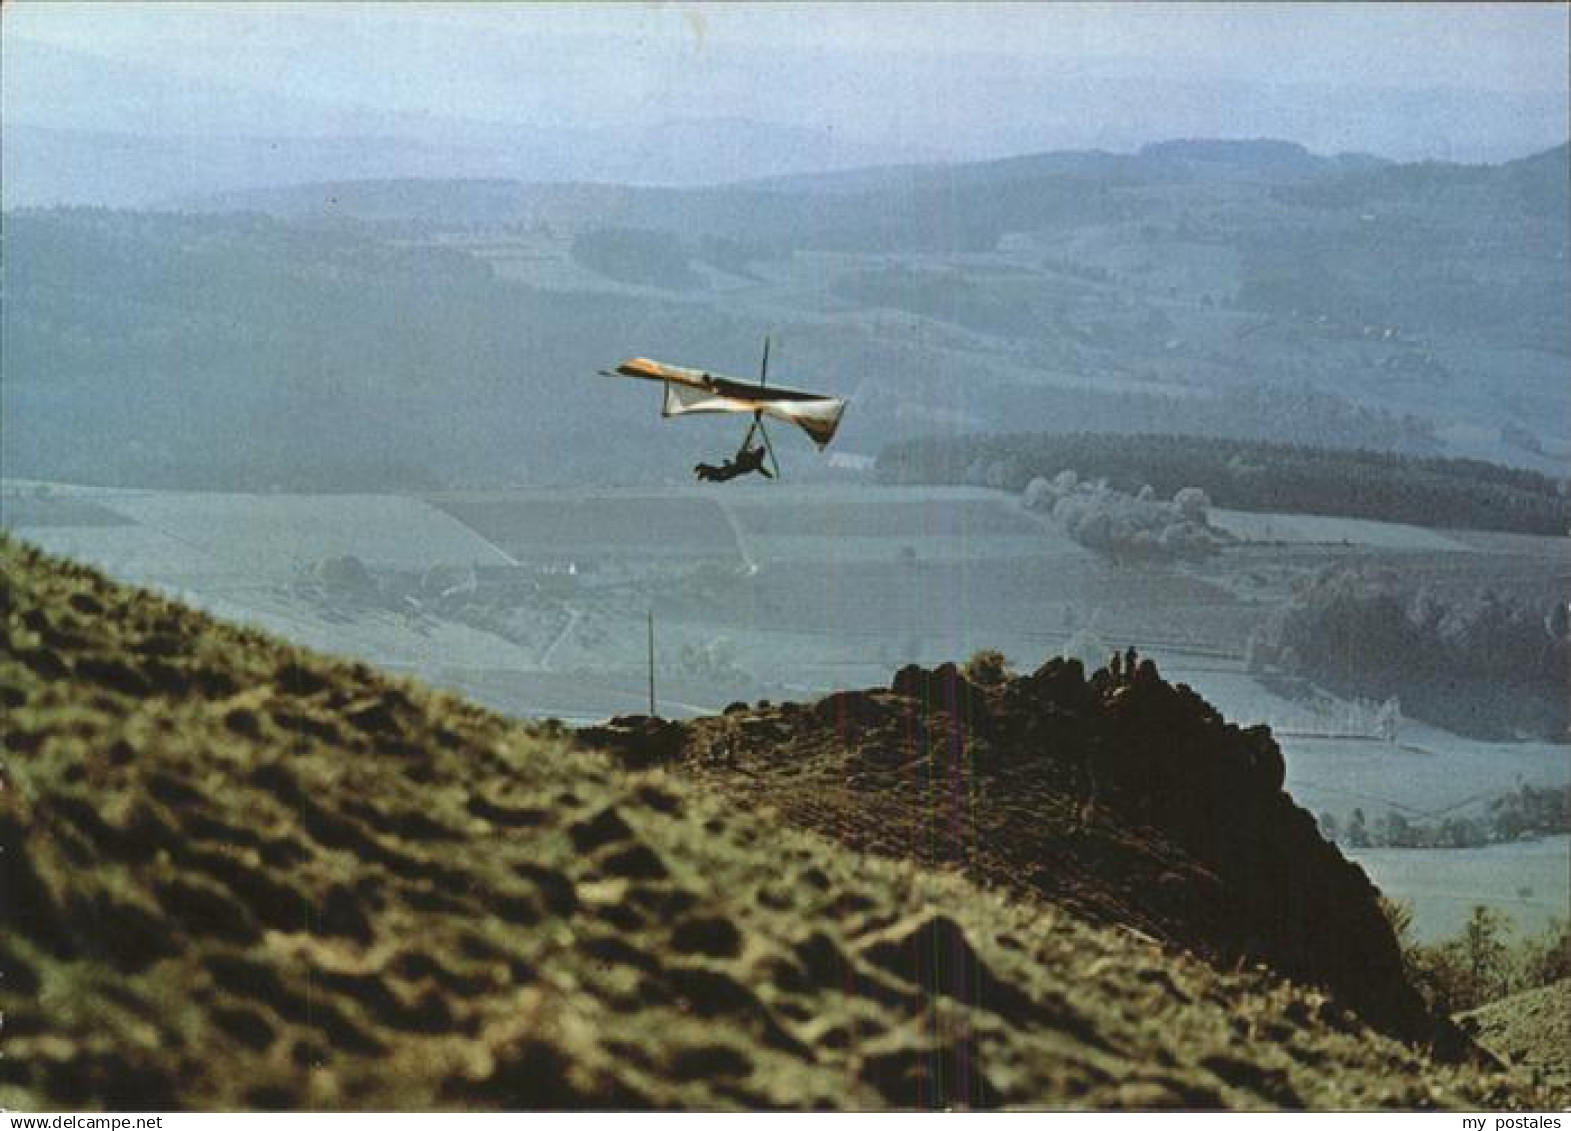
pixel 1124 798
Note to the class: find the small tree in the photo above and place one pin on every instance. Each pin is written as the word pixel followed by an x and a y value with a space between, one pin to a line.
pixel 1547 958
pixel 1193 503
pixel 345 576
pixel 1469 969
pixel 987 668
pixel 1399 913
pixel 1485 954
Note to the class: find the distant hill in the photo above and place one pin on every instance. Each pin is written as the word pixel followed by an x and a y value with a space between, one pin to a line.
pixel 1543 180
pixel 1265 159
pixel 243 353
pixel 1194 286
pixel 766 207
pixel 331 115
pixel 1461 239
pixel 47 166
pixel 1540 183
pixel 242 876
pixel 86 129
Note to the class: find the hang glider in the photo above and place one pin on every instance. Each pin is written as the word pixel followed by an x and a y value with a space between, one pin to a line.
pixel 697 390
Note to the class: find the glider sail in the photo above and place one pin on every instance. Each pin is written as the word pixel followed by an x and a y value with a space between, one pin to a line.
pixel 693 390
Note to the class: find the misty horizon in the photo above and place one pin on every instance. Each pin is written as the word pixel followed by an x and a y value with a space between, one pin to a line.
pixel 693 94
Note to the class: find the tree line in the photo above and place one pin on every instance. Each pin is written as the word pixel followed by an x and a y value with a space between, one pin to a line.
pixel 1482 962
pixel 1253 475
pixel 1484 663
pixel 1523 814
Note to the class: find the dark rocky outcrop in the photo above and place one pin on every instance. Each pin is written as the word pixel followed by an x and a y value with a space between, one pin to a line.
pixel 1128 798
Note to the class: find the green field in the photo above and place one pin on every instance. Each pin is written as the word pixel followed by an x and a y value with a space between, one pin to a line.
pixel 1529 881
pixel 598 524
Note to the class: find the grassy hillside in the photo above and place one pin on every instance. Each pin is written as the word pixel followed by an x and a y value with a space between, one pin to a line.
pixel 1532 1030
pixel 238 875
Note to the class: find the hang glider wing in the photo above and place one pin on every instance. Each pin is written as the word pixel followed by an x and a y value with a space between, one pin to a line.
pixel 693 390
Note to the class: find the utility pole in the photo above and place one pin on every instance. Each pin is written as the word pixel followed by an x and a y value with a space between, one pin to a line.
pixel 651 662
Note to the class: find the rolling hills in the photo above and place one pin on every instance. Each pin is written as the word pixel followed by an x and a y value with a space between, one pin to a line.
pixel 295 336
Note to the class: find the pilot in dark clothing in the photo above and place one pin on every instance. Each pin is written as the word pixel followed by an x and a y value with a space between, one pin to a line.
pixel 746 461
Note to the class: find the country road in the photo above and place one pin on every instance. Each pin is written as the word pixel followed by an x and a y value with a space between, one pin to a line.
pixel 574 615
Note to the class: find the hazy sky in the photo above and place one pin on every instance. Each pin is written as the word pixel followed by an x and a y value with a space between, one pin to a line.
pixel 1018 74
pixel 1489 45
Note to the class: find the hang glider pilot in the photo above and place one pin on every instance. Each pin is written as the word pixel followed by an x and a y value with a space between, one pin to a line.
pixel 746 461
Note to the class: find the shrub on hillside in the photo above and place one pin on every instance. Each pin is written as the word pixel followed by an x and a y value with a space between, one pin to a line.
pixel 1480 963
